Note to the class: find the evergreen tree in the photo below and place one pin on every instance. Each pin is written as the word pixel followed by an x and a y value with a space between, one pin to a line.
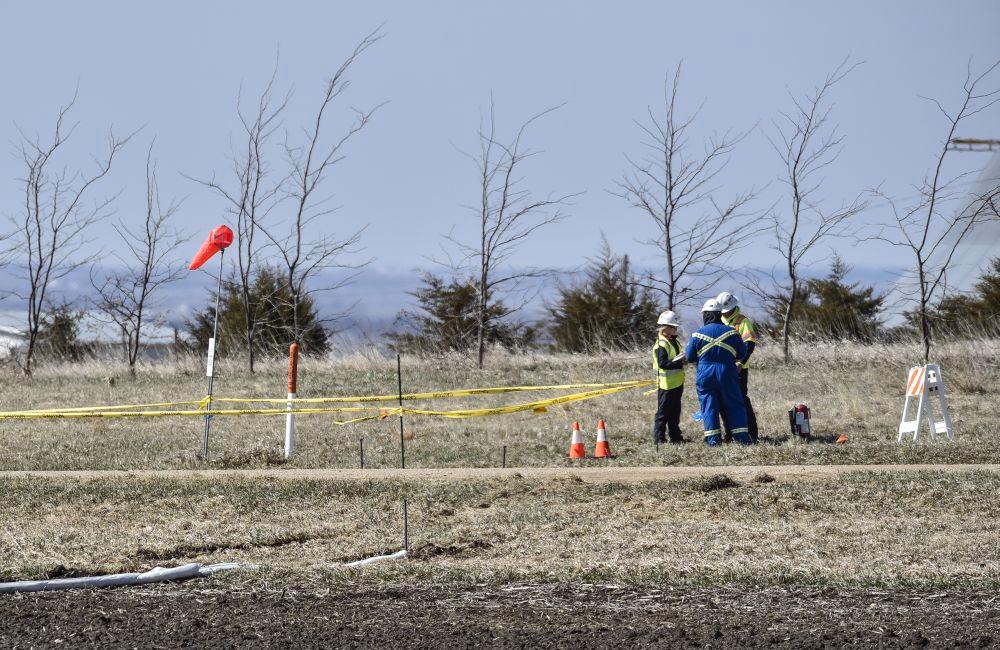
pixel 606 310
pixel 271 300
pixel 832 308
pixel 974 314
pixel 59 333
pixel 447 319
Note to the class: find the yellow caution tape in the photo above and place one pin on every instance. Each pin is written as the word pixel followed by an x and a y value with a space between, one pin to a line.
pixel 206 401
pixel 121 407
pixel 539 406
pixel 463 392
pixel 530 406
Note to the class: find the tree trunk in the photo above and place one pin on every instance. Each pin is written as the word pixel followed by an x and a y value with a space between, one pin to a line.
pixel 925 327
pixel 481 333
pixel 29 353
pixel 786 325
pixel 248 316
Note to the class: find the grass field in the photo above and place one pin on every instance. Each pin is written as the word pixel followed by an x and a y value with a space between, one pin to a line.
pixel 927 530
pixel 881 558
pixel 852 390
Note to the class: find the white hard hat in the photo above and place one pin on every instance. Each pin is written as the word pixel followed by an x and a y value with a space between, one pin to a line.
pixel 711 305
pixel 668 318
pixel 727 301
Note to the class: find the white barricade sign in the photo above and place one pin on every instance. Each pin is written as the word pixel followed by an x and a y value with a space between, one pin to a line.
pixel 923 384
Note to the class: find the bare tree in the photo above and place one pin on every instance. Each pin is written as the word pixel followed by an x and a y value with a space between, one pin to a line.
pixel 50 234
pixel 807 144
pixel 926 228
pixel 305 241
pixel 125 295
pixel 253 195
pixel 676 185
pixel 507 215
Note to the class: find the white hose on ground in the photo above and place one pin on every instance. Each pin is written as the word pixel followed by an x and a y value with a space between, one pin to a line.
pixel 158 574
pixel 398 555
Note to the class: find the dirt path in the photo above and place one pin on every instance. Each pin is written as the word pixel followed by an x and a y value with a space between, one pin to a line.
pixel 588 474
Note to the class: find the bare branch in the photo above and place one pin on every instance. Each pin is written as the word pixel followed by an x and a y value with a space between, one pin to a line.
pixel 507 214
pixel 932 234
pixel 806 144
pixel 305 248
pixel 127 294
pixel 49 234
pixel 676 188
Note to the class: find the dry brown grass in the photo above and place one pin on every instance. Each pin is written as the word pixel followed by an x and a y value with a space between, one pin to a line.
pixel 851 389
pixel 924 530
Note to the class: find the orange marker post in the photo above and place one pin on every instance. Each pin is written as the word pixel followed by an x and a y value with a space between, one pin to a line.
pixel 293 376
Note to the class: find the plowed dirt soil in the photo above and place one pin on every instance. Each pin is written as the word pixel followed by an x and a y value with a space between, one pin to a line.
pixel 571 615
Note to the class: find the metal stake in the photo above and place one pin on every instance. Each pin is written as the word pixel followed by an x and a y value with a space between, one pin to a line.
pixel 361 447
pixel 399 385
pixel 406 527
pixel 211 373
pixel 503 463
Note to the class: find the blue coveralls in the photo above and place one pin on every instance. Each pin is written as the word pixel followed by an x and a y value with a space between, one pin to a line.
pixel 716 348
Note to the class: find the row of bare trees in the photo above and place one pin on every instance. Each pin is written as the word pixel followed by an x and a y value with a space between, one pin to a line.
pixel 261 184
pixel 700 231
pixel 277 197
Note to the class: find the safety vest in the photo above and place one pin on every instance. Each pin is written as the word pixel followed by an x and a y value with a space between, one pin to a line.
pixel 667 379
pixel 741 324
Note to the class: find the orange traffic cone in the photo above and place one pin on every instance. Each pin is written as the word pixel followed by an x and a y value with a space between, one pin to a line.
pixel 603 449
pixel 576 449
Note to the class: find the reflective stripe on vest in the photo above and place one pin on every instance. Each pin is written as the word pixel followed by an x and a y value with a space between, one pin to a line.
pixel 667 379
pixel 718 341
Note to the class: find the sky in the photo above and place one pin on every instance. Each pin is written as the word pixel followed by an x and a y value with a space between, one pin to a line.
pixel 175 70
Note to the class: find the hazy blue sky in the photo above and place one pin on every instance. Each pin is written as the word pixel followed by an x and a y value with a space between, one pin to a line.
pixel 176 67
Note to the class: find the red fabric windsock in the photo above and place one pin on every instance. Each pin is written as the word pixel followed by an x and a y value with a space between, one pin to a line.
pixel 219 239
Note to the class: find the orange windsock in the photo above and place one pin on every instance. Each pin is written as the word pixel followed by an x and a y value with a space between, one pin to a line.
pixel 576 449
pixel 603 448
pixel 219 239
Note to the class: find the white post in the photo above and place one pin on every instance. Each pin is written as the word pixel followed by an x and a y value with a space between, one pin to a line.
pixel 943 403
pixel 293 371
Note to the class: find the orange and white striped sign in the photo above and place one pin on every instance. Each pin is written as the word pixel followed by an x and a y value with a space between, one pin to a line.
pixel 915 382
pixel 923 384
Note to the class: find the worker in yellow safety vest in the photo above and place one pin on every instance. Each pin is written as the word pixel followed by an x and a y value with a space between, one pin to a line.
pixel 668 361
pixel 732 317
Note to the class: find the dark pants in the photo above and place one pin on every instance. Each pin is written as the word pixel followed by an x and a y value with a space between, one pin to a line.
pixel 751 416
pixel 668 414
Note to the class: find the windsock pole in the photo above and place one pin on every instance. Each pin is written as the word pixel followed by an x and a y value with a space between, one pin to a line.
pixel 293 376
pixel 210 368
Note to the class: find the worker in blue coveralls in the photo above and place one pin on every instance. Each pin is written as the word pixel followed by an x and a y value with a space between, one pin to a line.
pixel 716 348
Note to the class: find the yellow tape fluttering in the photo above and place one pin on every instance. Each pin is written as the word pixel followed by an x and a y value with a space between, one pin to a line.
pixel 373 412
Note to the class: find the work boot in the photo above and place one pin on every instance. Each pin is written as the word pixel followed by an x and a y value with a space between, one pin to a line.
pixel 743 438
pixel 680 440
pixel 714 440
